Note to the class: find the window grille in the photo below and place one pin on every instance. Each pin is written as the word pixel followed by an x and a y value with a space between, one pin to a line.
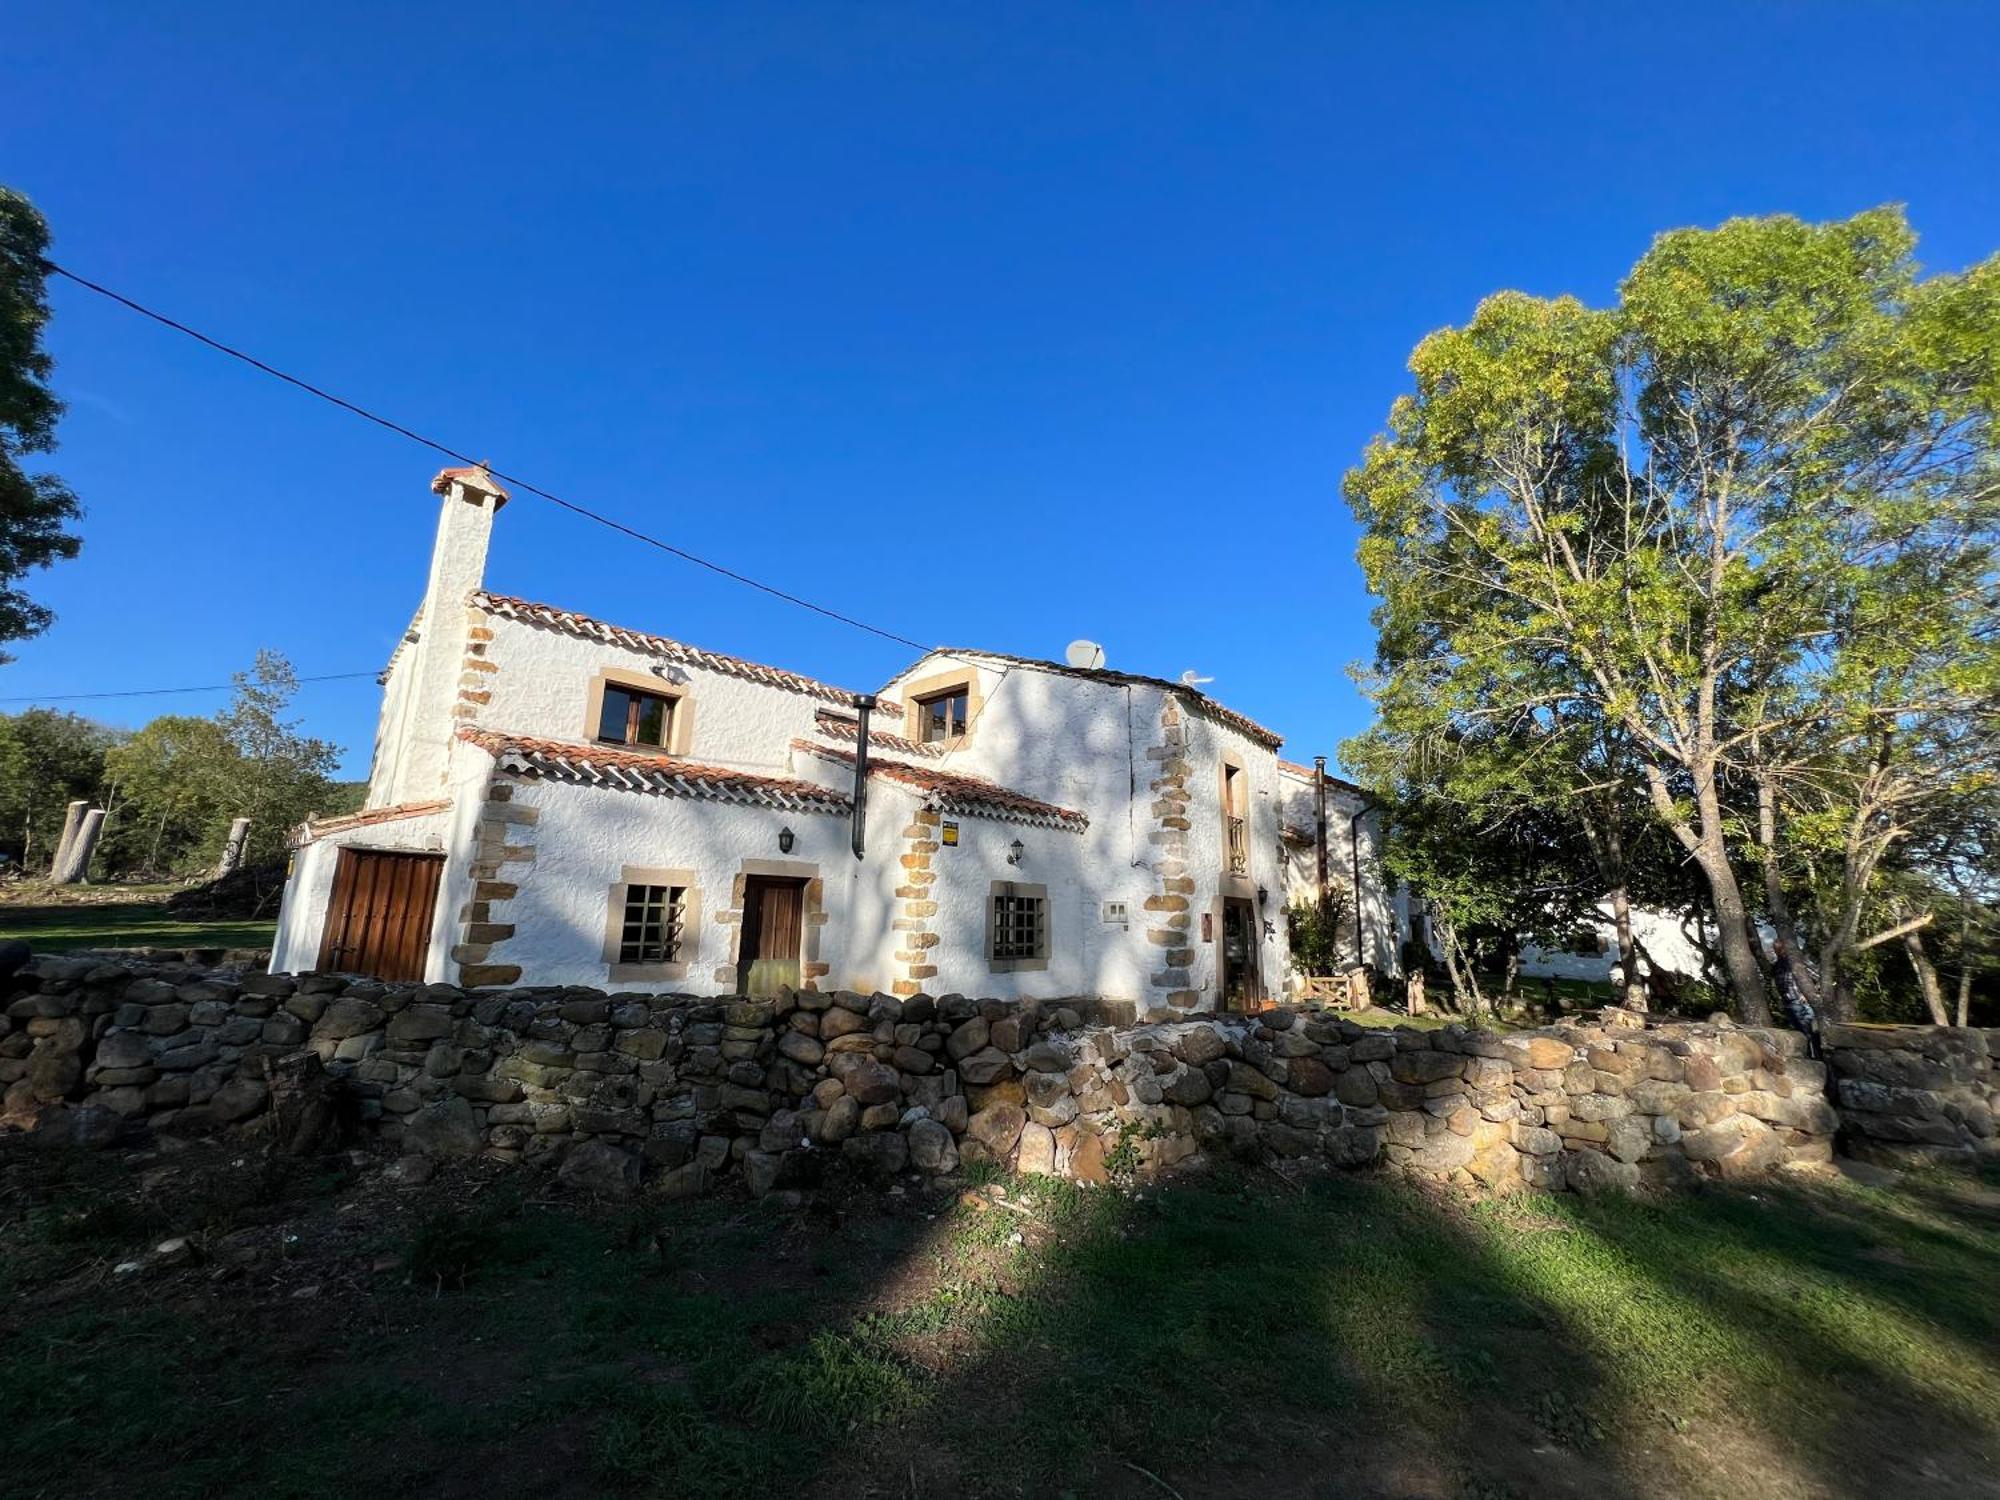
pixel 1018 925
pixel 652 931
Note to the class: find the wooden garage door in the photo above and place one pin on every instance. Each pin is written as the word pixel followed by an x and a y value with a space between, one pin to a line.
pixel 378 921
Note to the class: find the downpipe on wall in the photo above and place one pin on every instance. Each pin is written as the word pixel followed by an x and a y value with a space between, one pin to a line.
pixel 865 708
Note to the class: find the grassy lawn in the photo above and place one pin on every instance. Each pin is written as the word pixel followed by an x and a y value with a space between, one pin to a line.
pixel 1229 1337
pixel 118 916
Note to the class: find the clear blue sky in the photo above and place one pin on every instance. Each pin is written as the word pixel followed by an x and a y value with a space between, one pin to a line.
pixel 999 325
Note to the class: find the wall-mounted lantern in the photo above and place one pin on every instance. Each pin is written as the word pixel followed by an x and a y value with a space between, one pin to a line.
pixel 1015 851
pixel 1263 896
pixel 785 840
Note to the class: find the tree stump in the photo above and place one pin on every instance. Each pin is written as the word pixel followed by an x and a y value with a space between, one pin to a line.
pixel 72 820
pixel 74 863
pixel 305 1105
pixel 232 848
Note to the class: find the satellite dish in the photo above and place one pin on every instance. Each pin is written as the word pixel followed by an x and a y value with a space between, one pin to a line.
pixel 1087 655
pixel 1189 678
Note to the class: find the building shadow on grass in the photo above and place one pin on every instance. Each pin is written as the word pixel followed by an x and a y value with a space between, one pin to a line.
pixel 1364 1337
pixel 1249 1334
pixel 1233 1334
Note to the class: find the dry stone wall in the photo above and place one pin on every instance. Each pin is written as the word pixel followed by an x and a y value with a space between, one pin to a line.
pixel 1912 1092
pixel 688 1090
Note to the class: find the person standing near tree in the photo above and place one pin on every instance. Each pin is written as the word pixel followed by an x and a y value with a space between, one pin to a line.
pixel 1798 1009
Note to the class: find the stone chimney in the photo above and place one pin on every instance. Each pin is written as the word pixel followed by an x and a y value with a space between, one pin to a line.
pixel 418 722
pixel 465 527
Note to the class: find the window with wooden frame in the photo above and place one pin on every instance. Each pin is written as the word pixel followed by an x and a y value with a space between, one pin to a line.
pixel 653 925
pixel 941 708
pixel 631 716
pixel 1017 928
pixel 942 716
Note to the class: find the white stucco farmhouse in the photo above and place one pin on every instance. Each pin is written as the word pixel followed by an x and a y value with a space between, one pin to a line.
pixel 559 801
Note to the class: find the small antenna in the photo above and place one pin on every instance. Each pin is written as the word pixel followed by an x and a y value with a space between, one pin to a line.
pixel 1190 678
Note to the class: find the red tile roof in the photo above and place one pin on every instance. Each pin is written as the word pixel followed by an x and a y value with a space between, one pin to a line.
pixel 314 828
pixel 949 791
pixel 569 622
pixel 662 775
pixel 1193 697
pixel 843 727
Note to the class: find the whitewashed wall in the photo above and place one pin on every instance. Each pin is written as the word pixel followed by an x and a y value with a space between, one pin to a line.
pixel 585 836
pixel 1079 962
pixel 1208 858
pixel 414 736
pixel 1382 926
pixel 1082 744
pixel 1078 745
pixel 391 731
pixel 302 911
pixel 1661 933
pixel 543 682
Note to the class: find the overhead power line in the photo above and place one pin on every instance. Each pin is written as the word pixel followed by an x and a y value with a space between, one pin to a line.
pixel 449 452
pixel 212 687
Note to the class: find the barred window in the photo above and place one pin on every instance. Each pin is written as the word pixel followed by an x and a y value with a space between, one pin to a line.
pixel 653 918
pixel 1018 925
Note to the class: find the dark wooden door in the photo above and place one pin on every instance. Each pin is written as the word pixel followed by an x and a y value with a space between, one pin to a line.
pixel 773 923
pixel 1241 989
pixel 378 920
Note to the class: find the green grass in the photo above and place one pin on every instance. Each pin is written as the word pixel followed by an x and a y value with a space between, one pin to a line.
pixel 138 918
pixel 1576 995
pixel 1231 1335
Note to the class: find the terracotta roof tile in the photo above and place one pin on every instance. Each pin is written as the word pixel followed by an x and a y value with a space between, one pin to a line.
pixel 843 727
pixel 569 622
pixel 661 775
pixel 472 476
pixel 949 791
pixel 1195 698
pixel 315 828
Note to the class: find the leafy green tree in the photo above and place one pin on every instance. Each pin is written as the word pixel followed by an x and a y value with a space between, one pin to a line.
pixel 174 779
pixel 47 760
pixel 171 789
pixel 1745 519
pixel 1321 933
pixel 280 777
pixel 36 510
pixel 1491 877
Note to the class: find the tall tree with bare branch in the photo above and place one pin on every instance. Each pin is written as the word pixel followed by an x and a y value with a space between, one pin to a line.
pixel 1747 517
